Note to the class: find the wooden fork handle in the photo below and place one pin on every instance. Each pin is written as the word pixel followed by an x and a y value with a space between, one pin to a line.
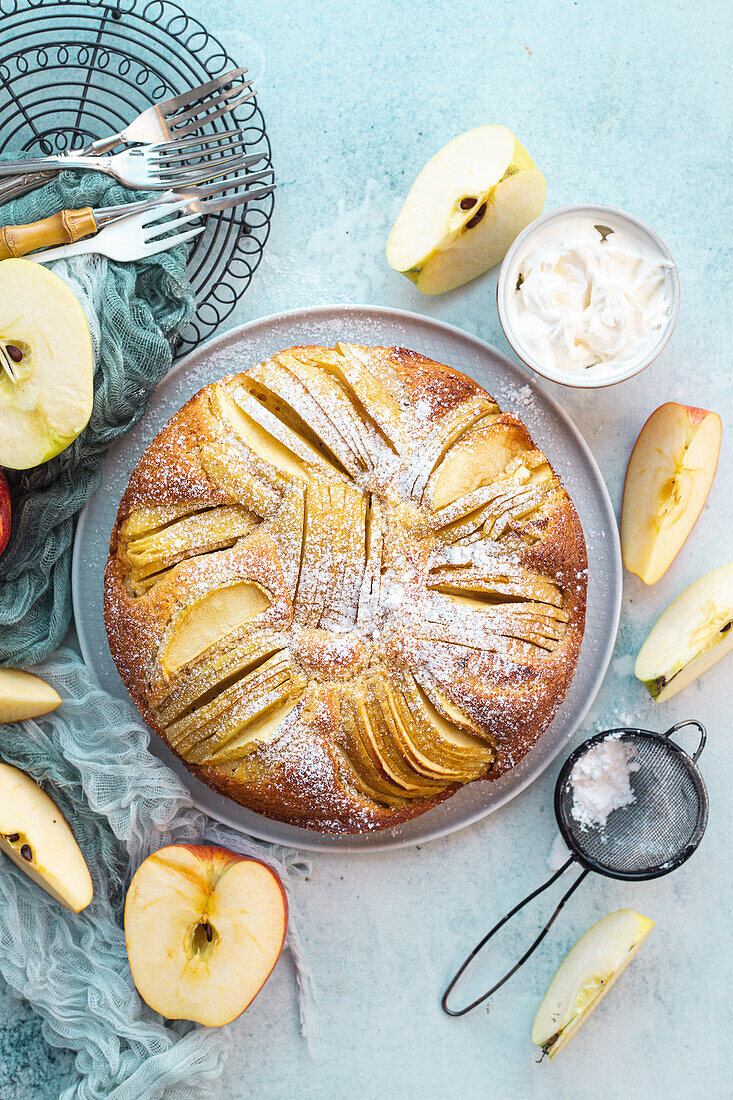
pixel 66 227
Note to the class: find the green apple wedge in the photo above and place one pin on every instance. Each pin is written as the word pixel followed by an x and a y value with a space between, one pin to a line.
pixel 36 836
pixel 585 976
pixel 464 210
pixel 693 634
pixel 23 695
pixel 46 365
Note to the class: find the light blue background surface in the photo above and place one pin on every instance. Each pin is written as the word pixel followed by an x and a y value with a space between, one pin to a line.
pixel 626 104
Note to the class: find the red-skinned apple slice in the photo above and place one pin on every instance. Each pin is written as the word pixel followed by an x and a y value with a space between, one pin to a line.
pixel 4 512
pixel 204 927
pixel 670 472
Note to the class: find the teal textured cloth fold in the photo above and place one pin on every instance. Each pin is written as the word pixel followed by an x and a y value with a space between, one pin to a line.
pixel 91 756
pixel 135 312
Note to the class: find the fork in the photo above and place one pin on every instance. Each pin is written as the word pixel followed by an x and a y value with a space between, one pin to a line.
pixel 69 226
pixel 132 238
pixel 155 167
pixel 178 117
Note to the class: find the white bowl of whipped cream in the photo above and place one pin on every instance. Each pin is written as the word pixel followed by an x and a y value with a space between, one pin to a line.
pixel 588 296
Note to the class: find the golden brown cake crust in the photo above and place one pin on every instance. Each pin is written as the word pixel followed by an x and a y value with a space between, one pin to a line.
pixel 343 584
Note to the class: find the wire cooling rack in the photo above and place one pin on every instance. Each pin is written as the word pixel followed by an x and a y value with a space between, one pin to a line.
pixel 104 61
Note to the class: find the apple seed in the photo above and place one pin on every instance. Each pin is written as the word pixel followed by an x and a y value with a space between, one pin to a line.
pixel 477 216
pixel 468 202
pixel 13 837
pixel 26 852
pixel 14 353
pixel 726 628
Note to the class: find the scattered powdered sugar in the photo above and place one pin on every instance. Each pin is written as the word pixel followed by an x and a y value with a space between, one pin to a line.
pixel 601 782
pixel 458 555
pixel 423 409
pixel 558 855
pixel 524 396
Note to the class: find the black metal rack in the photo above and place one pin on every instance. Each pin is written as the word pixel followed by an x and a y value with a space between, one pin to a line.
pixel 107 60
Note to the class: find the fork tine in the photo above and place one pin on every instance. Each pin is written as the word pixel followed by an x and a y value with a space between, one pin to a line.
pixel 160 229
pixel 158 211
pixel 215 188
pixel 220 182
pixel 189 142
pixel 213 206
pixel 169 242
pixel 199 108
pixel 201 173
pixel 225 185
pixel 201 119
pixel 169 106
pixel 184 157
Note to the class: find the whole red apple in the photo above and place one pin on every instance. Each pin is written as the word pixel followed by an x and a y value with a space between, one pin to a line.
pixel 4 512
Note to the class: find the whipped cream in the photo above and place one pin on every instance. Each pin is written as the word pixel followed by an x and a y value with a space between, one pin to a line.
pixel 590 295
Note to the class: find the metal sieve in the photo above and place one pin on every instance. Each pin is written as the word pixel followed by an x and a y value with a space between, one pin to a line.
pixel 651 836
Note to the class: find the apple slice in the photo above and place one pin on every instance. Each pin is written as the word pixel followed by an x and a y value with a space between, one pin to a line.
pixel 36 836
pixel 46 365
pixel 23 695
pixel 4 511
pixel 204 928
pixel 692 635
pixel 670 472
pixel 465 209
pixel 585 976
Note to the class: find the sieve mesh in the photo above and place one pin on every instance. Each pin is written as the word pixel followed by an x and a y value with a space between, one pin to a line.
pixel 654 833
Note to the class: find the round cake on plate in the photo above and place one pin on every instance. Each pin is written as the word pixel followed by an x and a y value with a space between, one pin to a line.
pixel 343 584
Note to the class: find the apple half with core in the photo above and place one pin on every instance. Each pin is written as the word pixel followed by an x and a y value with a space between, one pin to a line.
pixel 204 927
pixel 669 475
pixel 693 634
pixel 46 365
pixel 464 210
pixel 585 976
pixel 4 511
pixel 23 695
pixel 36 836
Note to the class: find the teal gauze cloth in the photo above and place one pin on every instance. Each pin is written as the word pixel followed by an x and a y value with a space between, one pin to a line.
pixel 122 803
pixel 135 312
pixel 91 755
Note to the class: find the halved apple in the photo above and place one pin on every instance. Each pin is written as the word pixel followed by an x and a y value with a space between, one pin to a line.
pixel 670 472
pixel 4 511
pixel 693 634
pixel 204 927
pixel 23 695
pixel 46 365
pixel 464 210
pixel 36 836
pixel 585 976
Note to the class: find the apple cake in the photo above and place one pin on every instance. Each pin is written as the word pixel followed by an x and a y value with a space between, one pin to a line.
pixel 343 584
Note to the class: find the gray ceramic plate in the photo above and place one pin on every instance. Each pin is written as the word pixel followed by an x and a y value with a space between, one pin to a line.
pixel 515 390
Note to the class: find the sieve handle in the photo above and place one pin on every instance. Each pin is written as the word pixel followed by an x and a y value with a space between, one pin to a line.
pixel 699 726
pixel 495 929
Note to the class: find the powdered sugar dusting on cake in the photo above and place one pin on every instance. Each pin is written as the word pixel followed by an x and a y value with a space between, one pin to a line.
pixel 398 622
